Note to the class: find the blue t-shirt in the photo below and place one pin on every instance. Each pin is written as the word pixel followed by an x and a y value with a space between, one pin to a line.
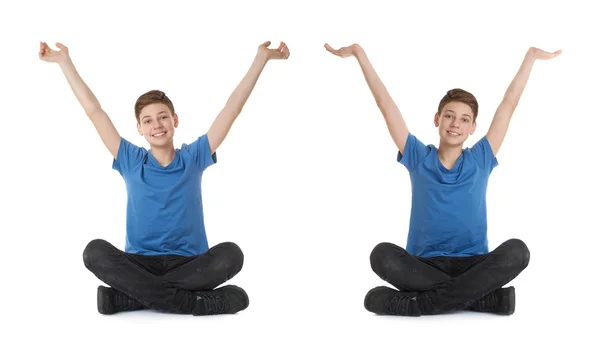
pixel 164 203
pixel 448 213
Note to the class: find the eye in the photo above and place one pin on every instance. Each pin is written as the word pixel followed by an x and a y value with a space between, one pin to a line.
pixel 448 116
pixel 466 120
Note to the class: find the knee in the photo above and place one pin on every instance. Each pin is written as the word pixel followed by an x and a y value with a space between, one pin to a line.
pixel 231 258
pixel 518 253
pixel 382 259
pixel 94 253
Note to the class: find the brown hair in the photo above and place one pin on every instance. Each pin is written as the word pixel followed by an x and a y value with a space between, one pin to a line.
pixel 152 97
pixel 460 95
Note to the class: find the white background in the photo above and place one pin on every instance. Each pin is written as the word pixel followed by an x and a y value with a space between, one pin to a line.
pixel 307 181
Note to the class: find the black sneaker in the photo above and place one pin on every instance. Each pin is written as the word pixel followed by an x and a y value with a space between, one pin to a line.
pixel 501 301
pixel 385 301
pixel 228 299
pixel 111 301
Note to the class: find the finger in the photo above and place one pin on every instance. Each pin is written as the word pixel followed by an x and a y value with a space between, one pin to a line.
pixel 43 49
pixel 266 44
pixel 60 46
pixel 551 55
pixel 331 50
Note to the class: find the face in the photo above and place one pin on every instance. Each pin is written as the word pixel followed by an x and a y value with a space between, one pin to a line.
pixel 455 123
pixel 157 124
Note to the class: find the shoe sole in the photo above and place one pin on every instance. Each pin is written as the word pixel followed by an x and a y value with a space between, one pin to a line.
pixel 103 299
pixel 512 299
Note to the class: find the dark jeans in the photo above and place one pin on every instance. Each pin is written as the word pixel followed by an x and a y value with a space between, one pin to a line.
pixel 446 283
pixel 166 282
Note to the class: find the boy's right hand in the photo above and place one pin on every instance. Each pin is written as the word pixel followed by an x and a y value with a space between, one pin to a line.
pixel 55 56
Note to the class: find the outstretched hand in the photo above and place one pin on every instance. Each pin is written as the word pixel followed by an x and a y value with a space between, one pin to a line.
pixel 56 56
pixel 538 54
pixel 343 52
pixel 281 53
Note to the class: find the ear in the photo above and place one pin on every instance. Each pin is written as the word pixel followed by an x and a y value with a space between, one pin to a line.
pixel 175 120
pixel 436 119
pixel 139 128
pixel 474 127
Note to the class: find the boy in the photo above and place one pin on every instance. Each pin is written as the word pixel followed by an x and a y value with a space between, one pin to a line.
pixel 166 265
pixel 446 265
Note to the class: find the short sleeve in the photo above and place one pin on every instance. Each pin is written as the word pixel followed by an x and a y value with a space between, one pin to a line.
pixel 414 152
pixel 200 151
pixel 128 156
pixel 483 155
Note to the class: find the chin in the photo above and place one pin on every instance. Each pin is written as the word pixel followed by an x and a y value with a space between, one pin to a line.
pixel 164 141
pixel 454 140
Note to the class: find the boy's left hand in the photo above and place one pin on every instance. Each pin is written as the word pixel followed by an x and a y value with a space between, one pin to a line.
pixel 281 53
pixel 538 54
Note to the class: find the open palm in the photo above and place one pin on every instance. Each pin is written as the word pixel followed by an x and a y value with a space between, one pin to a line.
pixel 343 51
pixel 539 54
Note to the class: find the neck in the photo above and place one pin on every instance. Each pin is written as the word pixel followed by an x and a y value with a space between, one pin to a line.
pixel 448 154
pixel 163 155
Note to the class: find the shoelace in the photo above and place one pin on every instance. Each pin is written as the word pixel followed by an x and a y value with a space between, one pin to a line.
pixel 124 302
pixel 488 303
pixel 214 304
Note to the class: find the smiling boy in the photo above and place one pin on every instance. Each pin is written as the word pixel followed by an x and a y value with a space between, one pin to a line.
pixel 167 264
pixel 446 265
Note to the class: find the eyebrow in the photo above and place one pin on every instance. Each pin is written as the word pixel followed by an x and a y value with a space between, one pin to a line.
pixel 162 112
pixel 452 111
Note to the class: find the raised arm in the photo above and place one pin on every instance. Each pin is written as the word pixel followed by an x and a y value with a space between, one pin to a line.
pixel 105 128
pixel 499 126
pixel 222 124
pixel 393 118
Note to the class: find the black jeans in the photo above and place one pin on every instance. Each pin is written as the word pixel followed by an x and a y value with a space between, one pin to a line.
pixel 163 282
pixel 444 283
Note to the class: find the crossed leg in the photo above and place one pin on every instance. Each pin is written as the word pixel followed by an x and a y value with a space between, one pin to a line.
pixel 172 292
pixel 435 290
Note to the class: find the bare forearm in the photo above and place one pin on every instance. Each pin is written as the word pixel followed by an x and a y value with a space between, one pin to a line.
pixel 378 89
pixel 517 86
pixel 507 107
pixel 242 92
pixel 83 93
pixel 224 121
pixel 393 118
